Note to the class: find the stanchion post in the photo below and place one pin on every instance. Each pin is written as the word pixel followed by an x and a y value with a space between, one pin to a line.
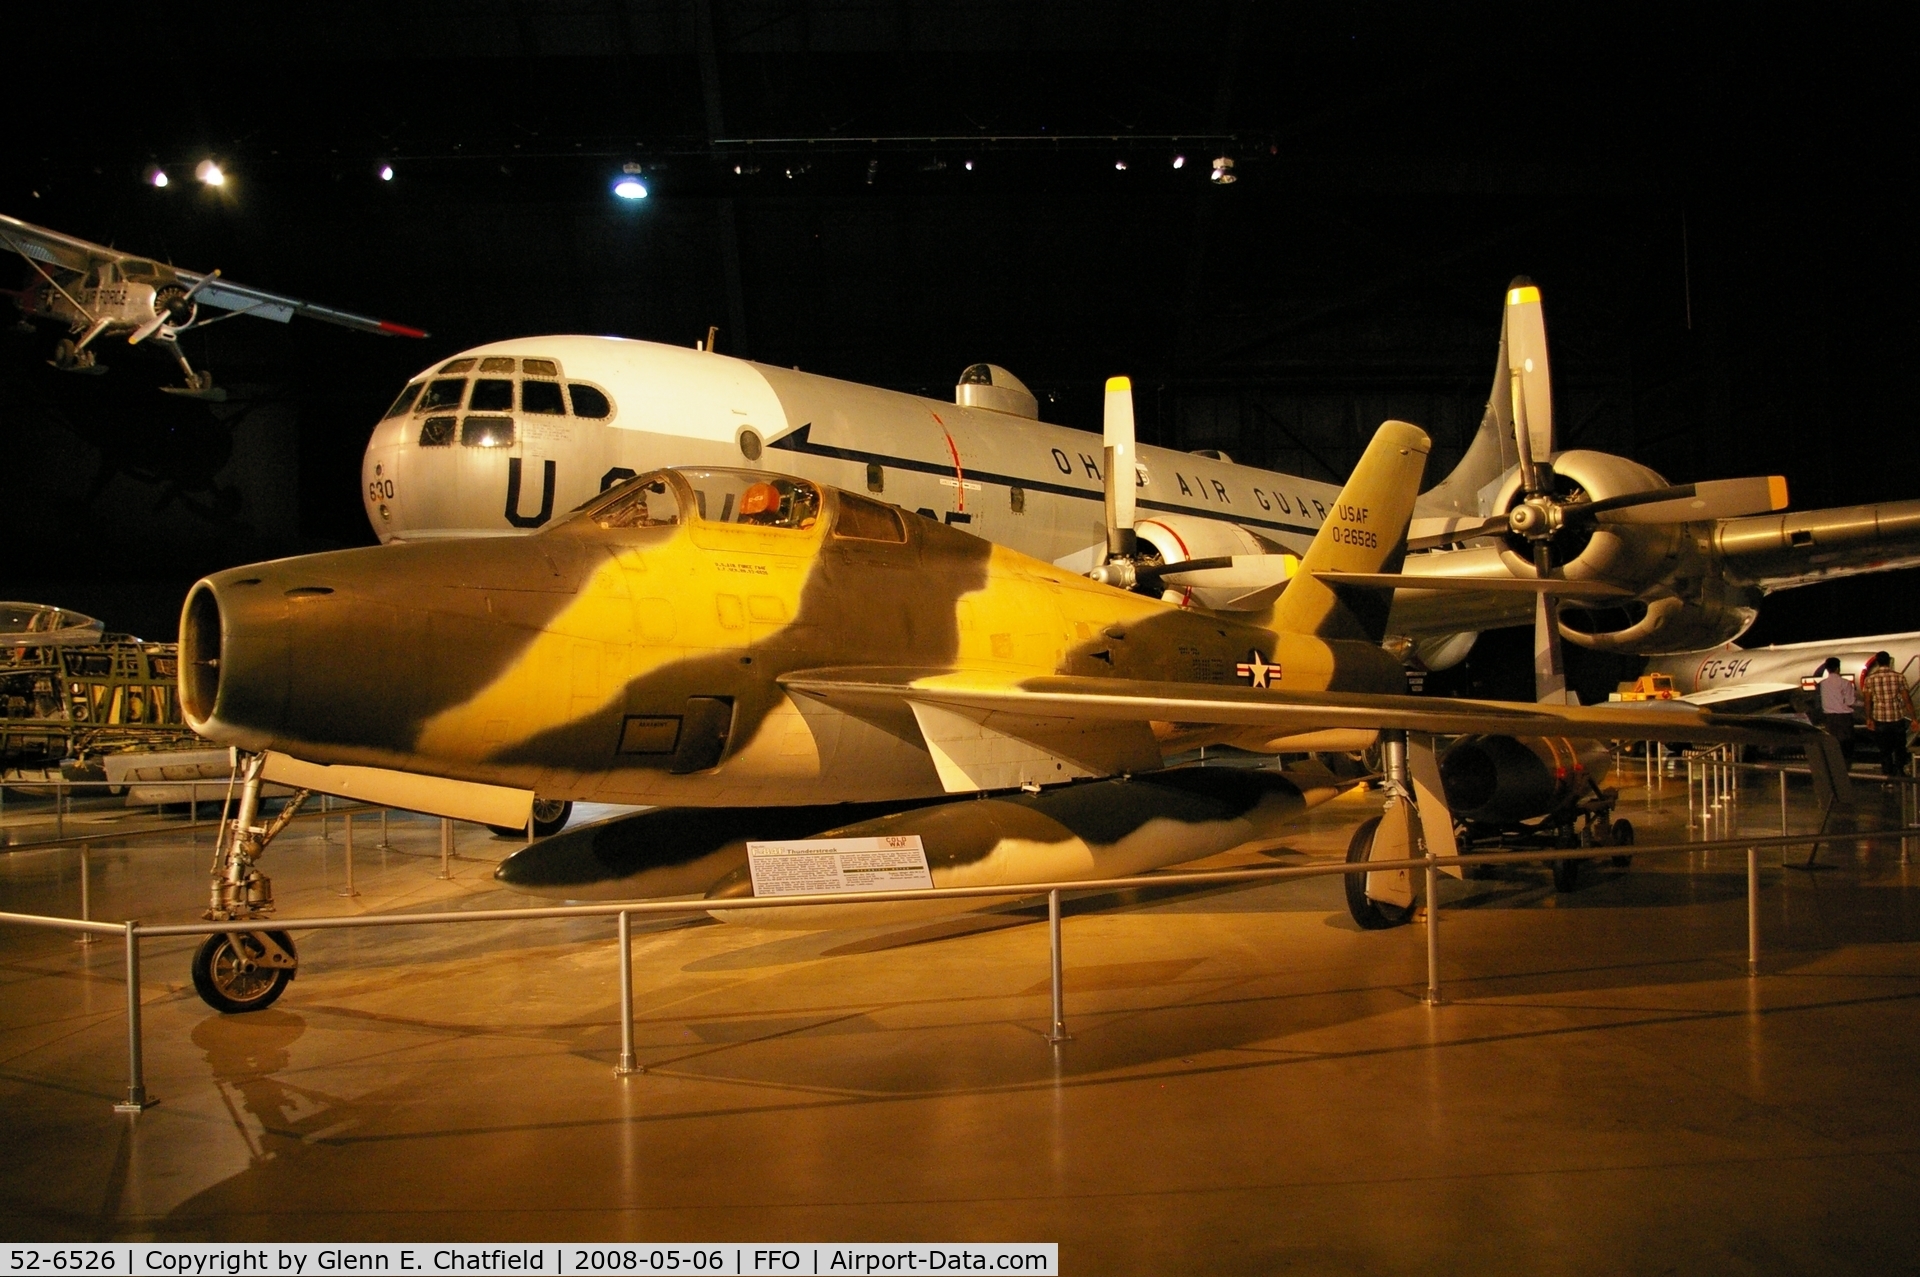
pixel 1058 1033
pixel 323 818
pixel 384 844
pixel 86 893
pixel 446 847
pixel 1753 912
pixel 137 1097
pixel 349 891
pixel 60 809
pixel 628 1065
pixel 1783 802
pixel 1434 998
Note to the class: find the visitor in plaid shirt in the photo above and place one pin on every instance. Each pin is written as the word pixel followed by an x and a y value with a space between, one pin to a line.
pixel 1889 710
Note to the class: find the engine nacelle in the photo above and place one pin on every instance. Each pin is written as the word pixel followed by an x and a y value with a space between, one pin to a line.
pixel 1634 556
pixel 1503 780
pixel 1178 538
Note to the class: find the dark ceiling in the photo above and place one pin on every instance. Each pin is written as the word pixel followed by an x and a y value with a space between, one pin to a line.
pixel 1714 202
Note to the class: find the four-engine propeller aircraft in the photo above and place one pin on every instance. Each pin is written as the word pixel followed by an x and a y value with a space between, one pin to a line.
pixel 709 637
pixel 503 438
pixel 97 291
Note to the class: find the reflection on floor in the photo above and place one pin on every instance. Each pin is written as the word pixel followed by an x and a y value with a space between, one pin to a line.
pixel 1253 1083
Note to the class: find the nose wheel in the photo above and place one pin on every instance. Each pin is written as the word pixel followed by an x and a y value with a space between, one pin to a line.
pixel 238 971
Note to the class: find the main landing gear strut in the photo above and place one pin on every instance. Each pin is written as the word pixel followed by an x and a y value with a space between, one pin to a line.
pixel 242 970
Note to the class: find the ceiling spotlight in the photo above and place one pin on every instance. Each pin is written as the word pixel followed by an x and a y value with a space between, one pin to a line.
pixel 969 166
pixel 1223 171
pixel 386 172
pixel 156 176
pixel 210 173
pixel 630 188
pixel 1179 161
pixel 1119 166
pixel 873 168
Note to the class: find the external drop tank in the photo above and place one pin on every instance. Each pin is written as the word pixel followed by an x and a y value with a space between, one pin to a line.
pixel 1101 829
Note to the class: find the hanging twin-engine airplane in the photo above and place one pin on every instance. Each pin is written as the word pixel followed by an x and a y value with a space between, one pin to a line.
pixel 708 637
pixel 97 291
pixel 503 437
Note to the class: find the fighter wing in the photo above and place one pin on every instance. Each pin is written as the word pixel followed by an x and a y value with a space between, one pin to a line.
pixel 223 294
pixel 987 731
pixel 51 249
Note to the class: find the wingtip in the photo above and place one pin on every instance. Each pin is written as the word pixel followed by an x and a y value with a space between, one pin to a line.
pixel 401 330
pixel 1777 491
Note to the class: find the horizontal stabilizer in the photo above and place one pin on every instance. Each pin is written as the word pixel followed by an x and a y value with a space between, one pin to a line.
pixel 1502 584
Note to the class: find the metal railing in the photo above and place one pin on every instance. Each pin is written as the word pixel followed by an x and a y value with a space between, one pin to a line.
pixel 134 933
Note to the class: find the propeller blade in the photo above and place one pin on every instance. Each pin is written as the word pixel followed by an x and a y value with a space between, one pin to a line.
pixel 1549 667
pixel 201 283
pixel 1524 337
pixel 148 329
pixel 1690 502
pixel 1120 477
pixel 1487 527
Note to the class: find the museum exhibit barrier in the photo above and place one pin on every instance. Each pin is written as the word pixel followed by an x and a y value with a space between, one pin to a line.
pixel 133 933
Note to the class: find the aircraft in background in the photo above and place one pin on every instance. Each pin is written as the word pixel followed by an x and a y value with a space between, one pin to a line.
pixel 713 637
pixel 1728 675
pixel 504 438
pixel 98 291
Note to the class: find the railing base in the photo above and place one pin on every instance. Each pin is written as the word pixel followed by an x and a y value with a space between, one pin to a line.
pixel 137 1101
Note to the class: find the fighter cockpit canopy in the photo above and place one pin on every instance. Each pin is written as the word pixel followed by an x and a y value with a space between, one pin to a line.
pixel 40 625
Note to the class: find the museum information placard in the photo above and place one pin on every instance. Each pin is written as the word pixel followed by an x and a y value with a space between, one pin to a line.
pixel 818 866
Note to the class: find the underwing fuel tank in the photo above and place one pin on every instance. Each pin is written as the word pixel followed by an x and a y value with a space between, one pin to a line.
pixel 1503 780
pixel 1101 829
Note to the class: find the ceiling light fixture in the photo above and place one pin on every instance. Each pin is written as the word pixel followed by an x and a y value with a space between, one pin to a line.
pixel 386 172
pixel 1119 166
pixel 210 173
pixel 1179 161
pixel 1223 171
pixel 156 176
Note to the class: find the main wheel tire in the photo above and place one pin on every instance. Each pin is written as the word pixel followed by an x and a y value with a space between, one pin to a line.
pixel 1371 914
pixel 1566 875
pixel 550 816
pixel 1623 837
pixel 231 982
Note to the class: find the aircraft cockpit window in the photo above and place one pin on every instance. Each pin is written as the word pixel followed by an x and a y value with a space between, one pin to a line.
pixel 459 365
pixel 436 432
pixel 541 368
pixel 134 266
pixel 542 397
pixel 977 375
pixel 492 394
pixel 496 363
pixel 443 394
pixel 864 520
pixel 647 502
pixel 589 402
pixel 487 432
pixel 404 402
pixel 746 496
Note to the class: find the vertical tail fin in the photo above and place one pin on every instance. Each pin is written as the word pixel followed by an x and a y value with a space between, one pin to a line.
pixel 1366 532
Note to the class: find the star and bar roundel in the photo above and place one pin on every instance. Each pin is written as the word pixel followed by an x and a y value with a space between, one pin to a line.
pixel 1258 670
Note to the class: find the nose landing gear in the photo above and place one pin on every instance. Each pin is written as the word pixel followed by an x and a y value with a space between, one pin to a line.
pixel 238 971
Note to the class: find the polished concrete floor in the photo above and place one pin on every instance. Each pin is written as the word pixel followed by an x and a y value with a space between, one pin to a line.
pixel 1253 1084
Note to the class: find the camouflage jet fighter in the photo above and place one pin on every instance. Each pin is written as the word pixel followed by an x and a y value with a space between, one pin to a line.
pixel 720 638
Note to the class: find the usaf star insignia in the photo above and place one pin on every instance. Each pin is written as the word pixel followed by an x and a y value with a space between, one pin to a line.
pixel 1258 670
